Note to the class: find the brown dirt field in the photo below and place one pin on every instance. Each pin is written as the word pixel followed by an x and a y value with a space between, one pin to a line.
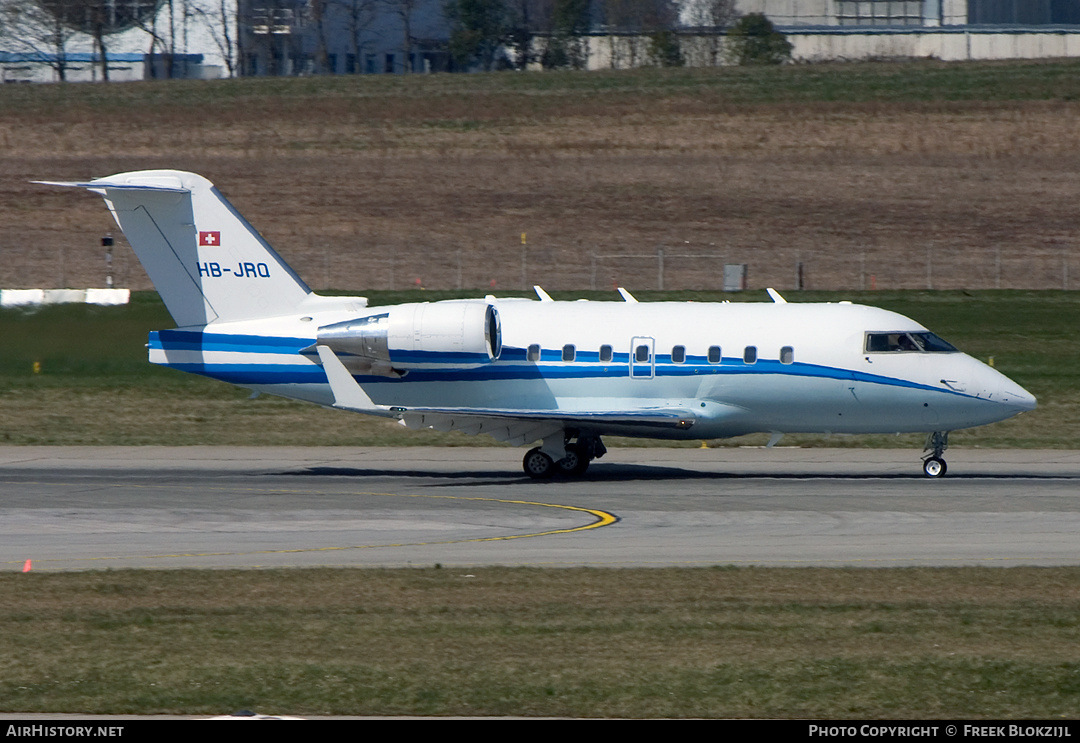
pixel 379 194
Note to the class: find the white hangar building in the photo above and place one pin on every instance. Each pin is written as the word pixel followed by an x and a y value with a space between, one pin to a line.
pixel 823 30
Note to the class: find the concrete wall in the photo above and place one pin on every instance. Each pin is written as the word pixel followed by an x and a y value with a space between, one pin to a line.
pixel 940 43
pixel 821 45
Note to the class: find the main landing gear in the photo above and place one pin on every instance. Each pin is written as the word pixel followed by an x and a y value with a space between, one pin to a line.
pixel 539 465
pixel 936 444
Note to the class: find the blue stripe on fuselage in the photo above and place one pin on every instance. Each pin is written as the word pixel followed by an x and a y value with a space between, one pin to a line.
pixel 511 365
pixel 194 340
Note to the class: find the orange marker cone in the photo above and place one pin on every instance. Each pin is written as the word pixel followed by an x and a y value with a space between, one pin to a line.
pixel 26 567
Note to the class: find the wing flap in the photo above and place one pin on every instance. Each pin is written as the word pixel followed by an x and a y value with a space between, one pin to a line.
pixel 656 417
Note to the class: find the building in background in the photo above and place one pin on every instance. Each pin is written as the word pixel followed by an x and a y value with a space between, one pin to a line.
pixel 824 30
pixel 114 40
pixel 926 13
pixel 342 37
pixel 54 40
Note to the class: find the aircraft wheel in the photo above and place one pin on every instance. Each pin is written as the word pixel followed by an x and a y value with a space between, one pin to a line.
pixel 538 465
pixel 934 467
pixel 575 462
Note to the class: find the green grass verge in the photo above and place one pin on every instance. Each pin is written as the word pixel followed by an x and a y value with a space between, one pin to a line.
pixel 720 642
pixel 916 81
pixel 94 385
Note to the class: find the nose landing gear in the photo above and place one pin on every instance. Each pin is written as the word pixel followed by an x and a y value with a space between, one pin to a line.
pixel 936 444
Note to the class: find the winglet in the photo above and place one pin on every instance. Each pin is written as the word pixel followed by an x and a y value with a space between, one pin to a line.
pixel 347 393
pixel 627 296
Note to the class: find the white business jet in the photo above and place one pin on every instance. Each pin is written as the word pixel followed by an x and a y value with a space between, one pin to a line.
pixel 522 371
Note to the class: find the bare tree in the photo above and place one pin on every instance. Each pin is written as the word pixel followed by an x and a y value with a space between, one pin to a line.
pixel 99 18
pixel 711 19
pixel 221 22
pixel 162 29
pixel 34 30
pixel 526 19
pixel 404 9
pixel 717 14
pixel 359 15
pixel 569 21
pixel 317 11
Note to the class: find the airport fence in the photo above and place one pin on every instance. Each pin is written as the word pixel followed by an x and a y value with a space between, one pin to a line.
pixel 687 266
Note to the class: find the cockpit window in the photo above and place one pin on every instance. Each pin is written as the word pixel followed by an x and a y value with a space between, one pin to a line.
pixel 933 344
pixel 901 342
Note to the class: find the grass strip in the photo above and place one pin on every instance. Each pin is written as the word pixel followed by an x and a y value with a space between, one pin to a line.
pixel 711 642
pixel 914 81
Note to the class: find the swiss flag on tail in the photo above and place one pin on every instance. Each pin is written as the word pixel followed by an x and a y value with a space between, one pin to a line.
pixel 212 239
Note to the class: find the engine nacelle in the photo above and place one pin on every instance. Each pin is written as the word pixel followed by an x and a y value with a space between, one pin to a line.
pixel 456 334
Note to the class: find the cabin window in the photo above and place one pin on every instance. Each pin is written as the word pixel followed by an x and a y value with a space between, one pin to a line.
pixel 901 342
pixel 534 352
pixel 605 354
pixel 749 355
pixel 787 355
pixel 678 354
pixel 641 353
pixel 714 355
pixel 569 353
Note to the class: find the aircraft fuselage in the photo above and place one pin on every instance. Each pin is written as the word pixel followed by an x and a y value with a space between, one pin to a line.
pixel 739 367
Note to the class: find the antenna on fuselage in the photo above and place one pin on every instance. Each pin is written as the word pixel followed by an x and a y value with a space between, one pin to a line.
pixel 776 296
pixel 627 296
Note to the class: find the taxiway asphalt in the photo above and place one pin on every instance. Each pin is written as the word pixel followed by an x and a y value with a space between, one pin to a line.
pixel 78 508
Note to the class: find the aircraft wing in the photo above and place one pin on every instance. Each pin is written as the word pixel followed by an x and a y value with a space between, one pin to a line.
pixel 516 426
pixel 519 427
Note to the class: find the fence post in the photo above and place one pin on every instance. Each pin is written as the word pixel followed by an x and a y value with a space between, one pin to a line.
pixel 107 243
pixel 524 264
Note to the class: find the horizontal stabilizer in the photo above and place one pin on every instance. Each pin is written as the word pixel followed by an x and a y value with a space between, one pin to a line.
pixel 103 183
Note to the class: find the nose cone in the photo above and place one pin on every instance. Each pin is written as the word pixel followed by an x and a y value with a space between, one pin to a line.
pixel 1017 397
pixel 996 387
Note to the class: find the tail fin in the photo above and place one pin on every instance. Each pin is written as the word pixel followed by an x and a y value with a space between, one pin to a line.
pixel 205 260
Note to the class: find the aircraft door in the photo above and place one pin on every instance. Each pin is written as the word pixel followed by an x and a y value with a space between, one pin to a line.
pixel 642 358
